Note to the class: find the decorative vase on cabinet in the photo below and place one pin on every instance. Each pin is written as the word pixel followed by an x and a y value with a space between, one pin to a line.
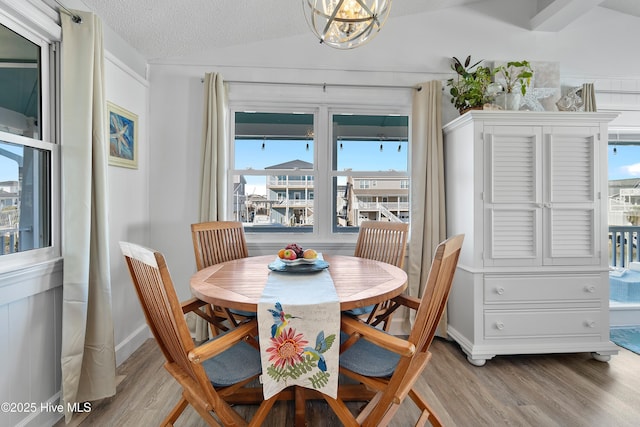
pixel 509 101
pixel 529 190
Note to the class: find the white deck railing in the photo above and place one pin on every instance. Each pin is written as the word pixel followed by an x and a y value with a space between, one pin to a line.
pixel 623 244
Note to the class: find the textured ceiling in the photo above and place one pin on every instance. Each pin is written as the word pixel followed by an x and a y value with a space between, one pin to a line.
pixel 170 28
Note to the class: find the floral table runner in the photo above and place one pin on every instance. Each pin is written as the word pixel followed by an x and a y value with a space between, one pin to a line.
pixel 299 326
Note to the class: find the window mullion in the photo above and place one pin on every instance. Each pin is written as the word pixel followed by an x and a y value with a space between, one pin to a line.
pixel 323 171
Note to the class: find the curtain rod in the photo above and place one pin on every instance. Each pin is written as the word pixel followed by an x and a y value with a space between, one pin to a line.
pixel 619 92
pixel 324 86
pixel 74 17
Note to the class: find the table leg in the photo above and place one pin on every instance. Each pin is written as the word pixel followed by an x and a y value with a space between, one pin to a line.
pixel 301 404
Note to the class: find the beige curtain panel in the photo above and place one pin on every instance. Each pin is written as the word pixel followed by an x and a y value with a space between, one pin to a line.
pixel 88 351
pixel 213 161
pixel 589 97
pixel 428 227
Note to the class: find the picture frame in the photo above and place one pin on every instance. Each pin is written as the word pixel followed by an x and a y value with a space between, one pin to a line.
pixel 123 137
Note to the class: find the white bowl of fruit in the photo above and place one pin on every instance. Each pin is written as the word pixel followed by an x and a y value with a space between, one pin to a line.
pixel 293 254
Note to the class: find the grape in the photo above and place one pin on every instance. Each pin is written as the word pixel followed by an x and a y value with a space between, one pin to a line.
pixel 296 248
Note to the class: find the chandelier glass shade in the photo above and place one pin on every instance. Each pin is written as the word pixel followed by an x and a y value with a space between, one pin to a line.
pixel 345 24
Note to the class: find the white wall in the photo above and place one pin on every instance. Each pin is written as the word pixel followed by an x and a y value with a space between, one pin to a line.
pixel 128 206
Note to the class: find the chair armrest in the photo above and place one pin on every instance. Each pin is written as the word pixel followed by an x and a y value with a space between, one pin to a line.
pixel 351 326
pixel 218 345
pixel 408 301
pixel 191 304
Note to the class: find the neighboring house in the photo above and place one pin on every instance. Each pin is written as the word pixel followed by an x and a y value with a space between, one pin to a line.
pixel 377 198
pixel 239 198
pixel 256 205
pixel 8 199
pixel 291 196
pixel 624 201
pixel 10 186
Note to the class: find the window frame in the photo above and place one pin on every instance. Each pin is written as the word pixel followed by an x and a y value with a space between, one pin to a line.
pixel 324 229
pixel 46 40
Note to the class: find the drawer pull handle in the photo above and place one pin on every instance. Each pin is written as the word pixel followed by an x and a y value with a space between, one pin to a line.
pixel 590 288
pixel 590 324
pixel 500 325
pixel 500 290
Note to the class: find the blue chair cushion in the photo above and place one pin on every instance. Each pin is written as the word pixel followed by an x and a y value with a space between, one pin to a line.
pixel 233 365
pixel 243 313
pixel 366 358
pixel 360 310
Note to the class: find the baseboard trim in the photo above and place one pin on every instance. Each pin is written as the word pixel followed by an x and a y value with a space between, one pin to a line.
pixel 46 417
pixel 131 343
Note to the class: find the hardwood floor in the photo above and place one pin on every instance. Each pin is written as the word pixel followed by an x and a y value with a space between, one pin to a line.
pixel 536 390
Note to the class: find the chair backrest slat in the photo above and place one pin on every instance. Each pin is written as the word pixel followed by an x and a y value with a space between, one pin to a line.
pixel 435 295
pixel 160 305
pixel 383 241
pixel 218 241
pixel 436 292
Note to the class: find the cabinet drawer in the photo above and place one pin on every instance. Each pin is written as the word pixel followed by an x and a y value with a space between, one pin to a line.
pixel 529 323
pixel 543 288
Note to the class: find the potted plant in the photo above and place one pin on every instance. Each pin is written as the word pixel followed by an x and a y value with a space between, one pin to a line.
pixel 469 87
pixel 516 78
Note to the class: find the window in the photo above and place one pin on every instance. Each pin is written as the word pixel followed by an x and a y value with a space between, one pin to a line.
pixel 370 168
pixel 274 155
pixel 624 179
pixel 624 196
pixel 318 170
pixel 28 160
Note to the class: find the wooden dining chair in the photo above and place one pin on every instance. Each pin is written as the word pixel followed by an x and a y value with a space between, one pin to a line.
pixel 391 365
pixel 215 242
pixel 213 375
pixel 386 242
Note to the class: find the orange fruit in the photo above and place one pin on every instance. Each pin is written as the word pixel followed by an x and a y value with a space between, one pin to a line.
pixel 281 253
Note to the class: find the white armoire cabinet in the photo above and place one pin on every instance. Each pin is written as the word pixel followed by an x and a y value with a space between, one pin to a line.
pixel 529 191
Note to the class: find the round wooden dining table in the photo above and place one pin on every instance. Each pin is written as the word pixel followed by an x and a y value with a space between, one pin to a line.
pixel 238 284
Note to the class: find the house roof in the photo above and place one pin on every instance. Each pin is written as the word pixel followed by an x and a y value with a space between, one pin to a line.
pixel 293 164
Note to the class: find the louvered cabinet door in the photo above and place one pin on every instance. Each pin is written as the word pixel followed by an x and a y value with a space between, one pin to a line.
pixel 571 214
pixel 513 196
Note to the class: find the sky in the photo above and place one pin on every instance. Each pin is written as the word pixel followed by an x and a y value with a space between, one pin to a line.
pixel 624 162
pixel 8 167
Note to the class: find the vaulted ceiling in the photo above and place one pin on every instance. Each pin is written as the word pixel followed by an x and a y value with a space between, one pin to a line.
pixel 170 28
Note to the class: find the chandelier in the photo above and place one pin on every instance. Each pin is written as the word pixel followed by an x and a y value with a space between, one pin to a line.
pixel 345 24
